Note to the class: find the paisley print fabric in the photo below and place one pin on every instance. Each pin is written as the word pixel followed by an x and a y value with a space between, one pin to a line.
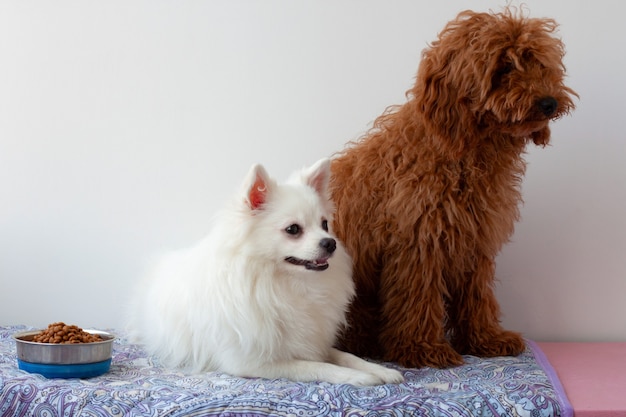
pixel 138 385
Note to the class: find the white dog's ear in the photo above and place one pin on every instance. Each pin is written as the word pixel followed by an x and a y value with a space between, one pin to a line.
pixel 256 187
pixel 317 176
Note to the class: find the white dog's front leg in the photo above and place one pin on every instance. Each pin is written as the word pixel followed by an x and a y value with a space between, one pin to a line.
pixel 306 371
pixel 348 360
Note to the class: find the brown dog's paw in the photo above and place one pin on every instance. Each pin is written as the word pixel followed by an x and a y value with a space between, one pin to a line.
pixel 501 343
pixel 434 355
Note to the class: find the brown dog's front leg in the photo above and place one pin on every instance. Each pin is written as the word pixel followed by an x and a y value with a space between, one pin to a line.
pixel 413 313
pixel 475 313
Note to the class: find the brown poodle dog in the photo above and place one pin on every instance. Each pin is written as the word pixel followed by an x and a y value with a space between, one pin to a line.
pixel 428 197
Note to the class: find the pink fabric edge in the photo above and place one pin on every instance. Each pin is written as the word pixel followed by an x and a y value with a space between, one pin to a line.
pixel 542 360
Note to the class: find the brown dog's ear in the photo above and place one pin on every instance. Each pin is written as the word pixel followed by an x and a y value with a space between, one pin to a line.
pixel 446 85
pixel 440 97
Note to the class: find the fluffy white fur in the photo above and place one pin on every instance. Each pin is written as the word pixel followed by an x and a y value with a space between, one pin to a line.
pixel 263 295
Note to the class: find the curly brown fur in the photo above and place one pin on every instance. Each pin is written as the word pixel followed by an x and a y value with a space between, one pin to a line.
pixel 428 197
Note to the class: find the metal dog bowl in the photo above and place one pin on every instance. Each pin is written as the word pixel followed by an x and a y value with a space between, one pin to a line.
pixel 53 360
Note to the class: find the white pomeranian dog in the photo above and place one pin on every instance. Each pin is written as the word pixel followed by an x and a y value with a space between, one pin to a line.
pixel 263 295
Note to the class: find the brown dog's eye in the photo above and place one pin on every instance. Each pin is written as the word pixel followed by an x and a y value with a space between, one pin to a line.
pixel 505 69
pixel 325 225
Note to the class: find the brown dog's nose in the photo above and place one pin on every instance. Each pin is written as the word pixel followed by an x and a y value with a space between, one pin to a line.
pixel 548 106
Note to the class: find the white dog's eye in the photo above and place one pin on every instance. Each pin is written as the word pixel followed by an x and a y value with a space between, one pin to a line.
pixel 293 230
pixel 325 225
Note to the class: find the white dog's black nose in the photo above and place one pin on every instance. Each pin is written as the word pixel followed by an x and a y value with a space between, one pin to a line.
pixel 548 106
pixel 329 244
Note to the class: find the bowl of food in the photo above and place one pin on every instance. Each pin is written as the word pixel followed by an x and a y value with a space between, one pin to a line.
pixel 64 351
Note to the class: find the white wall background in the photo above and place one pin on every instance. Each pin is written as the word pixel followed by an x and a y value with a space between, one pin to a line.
pixel 125 124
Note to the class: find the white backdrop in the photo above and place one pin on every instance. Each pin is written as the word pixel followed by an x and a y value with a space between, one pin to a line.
pixel 125 124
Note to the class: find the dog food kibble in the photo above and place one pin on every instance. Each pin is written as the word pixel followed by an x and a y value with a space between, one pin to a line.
pixel 63 333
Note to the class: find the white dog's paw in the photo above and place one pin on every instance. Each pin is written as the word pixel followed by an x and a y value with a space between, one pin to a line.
pixel 386 375
pixel 390 376
pixel 383 374
pixel 380 376
pixel 364 379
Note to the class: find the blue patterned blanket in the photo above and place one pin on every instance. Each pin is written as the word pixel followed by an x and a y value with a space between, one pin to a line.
pixel 138 385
